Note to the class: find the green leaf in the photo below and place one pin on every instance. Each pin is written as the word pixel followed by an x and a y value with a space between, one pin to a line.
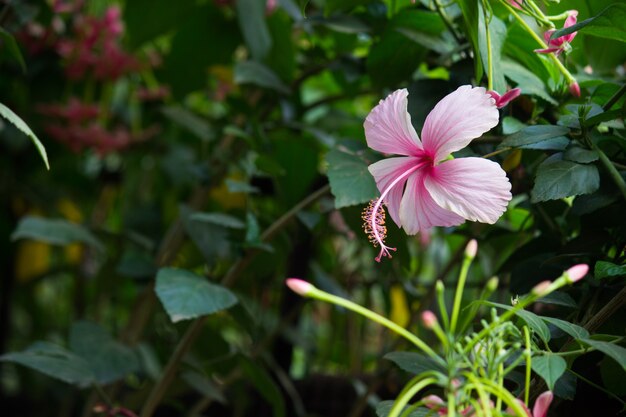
pixel 53 361
pixel 148 19
pixel 210 238
pixel 220 219
pixel 532 137
pixel 413 362
pixel 108 359
pixel 251 16
pixel 394 58
pixel 559 179
pixel 550 367
pixel 525 79
pixel 54 232
pixel 15 120
pixel 350 181
pixel 190 121
pixel 581 155
pixel 186 295
pixel 252 72
pixel 571 329
pixel 610 23
pixel 9 44
pixel 533 321
pixel 612 350
pixel 605 269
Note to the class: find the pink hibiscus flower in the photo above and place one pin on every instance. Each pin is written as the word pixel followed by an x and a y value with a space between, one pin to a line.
pixel 437 193
pixel 562 43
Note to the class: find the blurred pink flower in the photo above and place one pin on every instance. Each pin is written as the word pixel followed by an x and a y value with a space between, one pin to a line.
pixel 437 193
pixel 506 98
pixel 516 3
pixel 541 405
pixel 562 43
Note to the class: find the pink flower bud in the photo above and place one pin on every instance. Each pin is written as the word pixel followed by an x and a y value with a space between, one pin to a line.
pixel 471 249
pixel 576 273
pixel 541 288
pixel 429 319
pixel 299 286
pixel 574 89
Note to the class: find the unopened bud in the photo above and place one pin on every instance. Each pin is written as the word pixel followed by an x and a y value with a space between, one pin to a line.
pixel 471 249
pixel 574 89
pixel 492 284
pixel 541 288
pixel 299 286
pixel 429 319
pixel 576 273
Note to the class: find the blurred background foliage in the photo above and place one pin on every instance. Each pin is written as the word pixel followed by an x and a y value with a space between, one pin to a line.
pixel 202 139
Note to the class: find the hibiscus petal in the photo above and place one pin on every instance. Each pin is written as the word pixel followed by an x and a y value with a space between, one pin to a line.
pixel 418 211
pixel 571 20
pixel 388 127
pixel 458 118
pixel 474 188
pixel 542 403
pixel 384 173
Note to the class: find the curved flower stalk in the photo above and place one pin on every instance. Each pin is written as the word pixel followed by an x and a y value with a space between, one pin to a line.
pixel 562 43
pixel 422 188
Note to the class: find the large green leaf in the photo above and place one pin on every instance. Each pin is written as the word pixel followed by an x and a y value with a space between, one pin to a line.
pixel 15 120
pixel 558 179
pixel 108 359
pixel 605 269
pixel 186 295
pixel 571 329
pixel 54 361
pixel 612 350
pixel 550 367
pixel 470 12
pixel 251 15
pixel 350 181
pixel 413 362
pixel 537 137
pixel 54 231
pixel 393 58
pixel 609 23
pixel 525 79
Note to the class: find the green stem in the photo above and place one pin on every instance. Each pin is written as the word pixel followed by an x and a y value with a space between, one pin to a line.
pixel 467 261
pixel 568 76
pixel 618 94
pixel 615 175
pixel 440 288
pixel 333 299
pixel 528 355
pixel 405 397
pixel 489 53
pixel 451 404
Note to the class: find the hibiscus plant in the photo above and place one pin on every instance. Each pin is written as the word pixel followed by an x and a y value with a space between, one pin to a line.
pixel 443 182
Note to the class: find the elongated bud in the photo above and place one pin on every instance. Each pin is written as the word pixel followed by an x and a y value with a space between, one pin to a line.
pixel 541 288
pixel 576 273
pixel 299 286
pixel 471 249
pixel 492 284
pixel 429 319
pixel 574 89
